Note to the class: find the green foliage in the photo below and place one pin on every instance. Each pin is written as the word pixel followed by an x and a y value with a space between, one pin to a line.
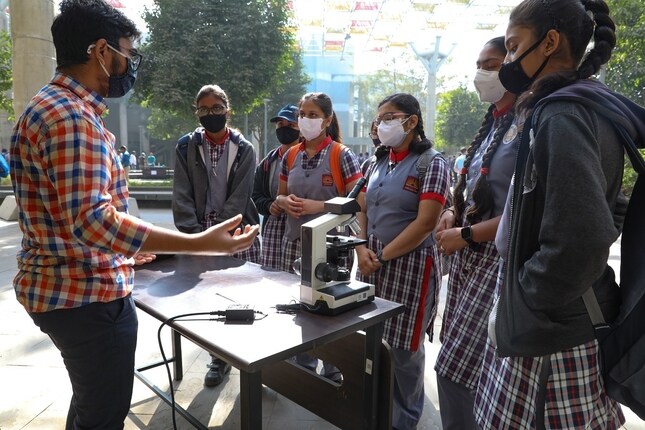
pixel 291 85
pixel 459 116
pixel 243 46
pixel 375 87
pixel 626 69
pixel 6 79
pixel 158 183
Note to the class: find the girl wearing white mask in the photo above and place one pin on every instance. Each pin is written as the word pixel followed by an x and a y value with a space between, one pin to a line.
pixel 401 206
pixel 467 232
pixel 310 177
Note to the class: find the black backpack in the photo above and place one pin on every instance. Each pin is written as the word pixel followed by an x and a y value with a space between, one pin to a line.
pixel 622 342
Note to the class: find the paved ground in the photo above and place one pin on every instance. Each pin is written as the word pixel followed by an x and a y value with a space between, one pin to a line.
pixel 35 391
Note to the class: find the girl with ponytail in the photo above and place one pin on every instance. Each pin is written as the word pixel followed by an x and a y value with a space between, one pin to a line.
pixel 541 367
pixel 466 232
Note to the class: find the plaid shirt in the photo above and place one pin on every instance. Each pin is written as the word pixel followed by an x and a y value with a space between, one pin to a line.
pixel 71 190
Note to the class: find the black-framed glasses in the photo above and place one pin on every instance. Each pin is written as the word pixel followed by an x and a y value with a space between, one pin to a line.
pixel 134 58
pixel 215 110
pixel 387 118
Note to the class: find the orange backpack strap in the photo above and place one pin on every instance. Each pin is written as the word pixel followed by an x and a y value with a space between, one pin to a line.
pixel 336 170
pixel 291 155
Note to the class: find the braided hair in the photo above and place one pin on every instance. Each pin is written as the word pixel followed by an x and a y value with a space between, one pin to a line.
pixel 482 194
pixel 572 19
pixel 408 104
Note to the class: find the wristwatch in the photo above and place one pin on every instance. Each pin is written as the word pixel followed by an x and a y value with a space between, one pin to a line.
pixel 379 257
pixel 467 235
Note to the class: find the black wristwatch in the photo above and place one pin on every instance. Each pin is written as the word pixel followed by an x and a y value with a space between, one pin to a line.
pixel 379 257
pixel 467 235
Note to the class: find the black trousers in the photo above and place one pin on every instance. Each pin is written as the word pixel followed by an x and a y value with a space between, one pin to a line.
pixel 97 343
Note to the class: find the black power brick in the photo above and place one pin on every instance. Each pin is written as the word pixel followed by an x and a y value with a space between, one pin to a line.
pixel 239 313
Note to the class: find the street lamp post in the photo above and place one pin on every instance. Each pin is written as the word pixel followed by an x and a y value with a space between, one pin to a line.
pixel 266 133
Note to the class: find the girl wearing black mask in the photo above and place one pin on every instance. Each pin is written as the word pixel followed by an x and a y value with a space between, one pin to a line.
pixel 213 181
pixel 265 187
pixel 542 367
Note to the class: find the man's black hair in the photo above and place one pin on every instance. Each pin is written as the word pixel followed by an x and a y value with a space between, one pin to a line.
pixel 81 23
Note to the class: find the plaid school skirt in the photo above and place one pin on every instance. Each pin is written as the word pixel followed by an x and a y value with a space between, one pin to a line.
pixel 272 234
pixel 469 299
pixel 406 280
pixel 252 254
pixel 575 395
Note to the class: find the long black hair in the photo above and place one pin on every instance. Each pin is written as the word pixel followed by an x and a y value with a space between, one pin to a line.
pixel 571 18
pixel 482 194
pixel 408 104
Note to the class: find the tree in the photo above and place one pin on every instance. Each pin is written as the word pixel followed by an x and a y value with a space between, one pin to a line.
pixel 459 116
pixel 626 69
pixel 242 45
pixel 290 87
pixel 6 79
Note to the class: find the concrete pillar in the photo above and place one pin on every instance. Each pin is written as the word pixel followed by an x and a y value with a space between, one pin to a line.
pixel 123 124
pixel 34 56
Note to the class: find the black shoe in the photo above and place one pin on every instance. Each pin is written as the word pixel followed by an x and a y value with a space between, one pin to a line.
pixel 215 375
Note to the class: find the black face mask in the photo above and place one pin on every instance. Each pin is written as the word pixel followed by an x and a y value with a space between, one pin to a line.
pixel 213 123
pixel 513 77
pixel 287 135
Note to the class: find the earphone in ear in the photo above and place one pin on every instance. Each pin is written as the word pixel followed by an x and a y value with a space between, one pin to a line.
pixel 89 48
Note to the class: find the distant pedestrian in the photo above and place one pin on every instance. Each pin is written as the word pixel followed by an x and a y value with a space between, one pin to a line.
pixel 4 165
pixel 151 159
pixel 142 160
pixel 133 159
pixel 125 161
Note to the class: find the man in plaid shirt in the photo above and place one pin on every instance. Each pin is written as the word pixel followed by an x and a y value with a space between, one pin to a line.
pixel 75 273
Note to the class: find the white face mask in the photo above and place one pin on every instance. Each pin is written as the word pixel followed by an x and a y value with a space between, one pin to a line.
pixel 392 134
pixel 310 128
pixel 488 86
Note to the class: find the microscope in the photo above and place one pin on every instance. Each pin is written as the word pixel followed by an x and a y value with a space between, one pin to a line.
pixel 325 287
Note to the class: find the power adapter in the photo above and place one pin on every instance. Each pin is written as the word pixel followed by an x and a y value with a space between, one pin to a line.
pixel 239 313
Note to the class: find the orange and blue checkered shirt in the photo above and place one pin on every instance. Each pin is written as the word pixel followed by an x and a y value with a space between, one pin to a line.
pixel 71 190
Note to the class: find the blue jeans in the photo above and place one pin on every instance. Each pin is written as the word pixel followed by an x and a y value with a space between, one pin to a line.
pixel 97 343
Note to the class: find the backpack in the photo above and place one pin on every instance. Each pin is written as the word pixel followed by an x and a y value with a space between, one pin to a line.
pixel 334 164
pixel 622 342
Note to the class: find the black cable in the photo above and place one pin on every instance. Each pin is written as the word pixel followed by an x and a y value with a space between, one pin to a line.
pixel 184 317
pixel 165 360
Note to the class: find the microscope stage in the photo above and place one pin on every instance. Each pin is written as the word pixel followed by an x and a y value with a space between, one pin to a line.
pixel 336 298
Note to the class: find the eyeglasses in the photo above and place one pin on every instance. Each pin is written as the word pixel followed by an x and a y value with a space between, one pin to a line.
pixel 215 110
pixel 389 117
pixel 134 58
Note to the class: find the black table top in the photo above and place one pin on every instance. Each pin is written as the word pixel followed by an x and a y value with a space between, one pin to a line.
pixel 184 284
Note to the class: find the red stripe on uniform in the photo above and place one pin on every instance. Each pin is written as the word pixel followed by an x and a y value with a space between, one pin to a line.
pixel 419 330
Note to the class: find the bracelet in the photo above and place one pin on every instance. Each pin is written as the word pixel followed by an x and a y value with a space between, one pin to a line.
pixel 379 257
pixel 446 210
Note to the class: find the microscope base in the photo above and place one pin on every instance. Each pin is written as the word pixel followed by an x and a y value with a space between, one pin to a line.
pixel 336 298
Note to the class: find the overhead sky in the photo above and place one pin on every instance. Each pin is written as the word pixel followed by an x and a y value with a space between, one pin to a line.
pixel 374 34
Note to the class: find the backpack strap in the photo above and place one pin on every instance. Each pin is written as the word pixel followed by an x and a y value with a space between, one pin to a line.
pixel 334 164
pixel 424 161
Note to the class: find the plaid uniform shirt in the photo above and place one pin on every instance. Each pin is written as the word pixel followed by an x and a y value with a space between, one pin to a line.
pixel 71 190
